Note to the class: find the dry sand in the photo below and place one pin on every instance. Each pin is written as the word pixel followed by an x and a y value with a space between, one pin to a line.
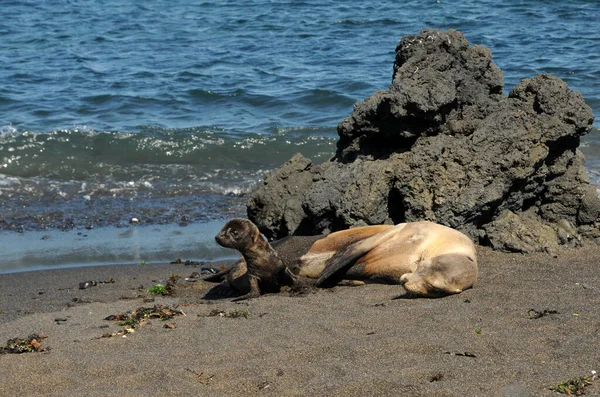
pixel 345 341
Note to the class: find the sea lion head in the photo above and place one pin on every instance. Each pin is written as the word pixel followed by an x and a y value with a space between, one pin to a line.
pixel 238 233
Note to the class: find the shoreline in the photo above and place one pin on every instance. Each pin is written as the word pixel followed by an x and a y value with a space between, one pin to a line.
pixel 134 244
pixel 341 341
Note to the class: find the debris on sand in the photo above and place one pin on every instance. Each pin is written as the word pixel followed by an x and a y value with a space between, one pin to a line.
pixel 533 314
pixel 264 385
pixel 171 283
pixel 162 312
pixel 575 386
pixel 200 375
pixel 436 378
pixel 27 345
pixel 461 354
pixel 228 314
pixel 131 321
pixel 93 283
pixel 123 333
pixel 167 289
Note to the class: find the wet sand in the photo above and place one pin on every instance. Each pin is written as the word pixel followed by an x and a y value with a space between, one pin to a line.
pixel 345 341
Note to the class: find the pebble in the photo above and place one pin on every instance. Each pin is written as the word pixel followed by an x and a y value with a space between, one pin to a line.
pixel 86 284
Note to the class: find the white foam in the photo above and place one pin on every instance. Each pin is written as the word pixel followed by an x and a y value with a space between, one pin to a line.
pixel 8 130
pixel 6 180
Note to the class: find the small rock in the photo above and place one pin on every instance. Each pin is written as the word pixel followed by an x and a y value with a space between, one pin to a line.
pixel 87 284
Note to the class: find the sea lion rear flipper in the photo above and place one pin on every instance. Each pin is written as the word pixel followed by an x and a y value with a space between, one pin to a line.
pixel 296 281
pixel 337 266
pixel 216 277
pixel 235 270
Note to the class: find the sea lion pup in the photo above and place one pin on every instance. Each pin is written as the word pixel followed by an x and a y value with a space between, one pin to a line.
pixel 261 270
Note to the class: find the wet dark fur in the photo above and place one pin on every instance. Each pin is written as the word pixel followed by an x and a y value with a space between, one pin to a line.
pixel 269 267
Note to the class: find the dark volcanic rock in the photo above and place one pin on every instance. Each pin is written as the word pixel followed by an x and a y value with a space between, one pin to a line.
pixel 443 143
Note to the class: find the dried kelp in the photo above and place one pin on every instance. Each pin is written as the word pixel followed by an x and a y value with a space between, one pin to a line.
pixel 27 345
pixel 131 321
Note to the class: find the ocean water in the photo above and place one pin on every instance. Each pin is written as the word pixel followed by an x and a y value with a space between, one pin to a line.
pixel 170 112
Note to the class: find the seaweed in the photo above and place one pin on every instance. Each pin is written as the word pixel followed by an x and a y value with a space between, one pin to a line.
pixel 167 288
pixel 131 321
pixel 575 386
pixel 158 289
pixel 26 345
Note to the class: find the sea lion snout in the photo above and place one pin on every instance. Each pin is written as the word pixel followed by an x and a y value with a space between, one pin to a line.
pixel 220 239
pixel 227 238
pixel 237 234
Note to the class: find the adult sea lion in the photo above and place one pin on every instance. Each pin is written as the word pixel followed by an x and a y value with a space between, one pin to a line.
pixel 428 259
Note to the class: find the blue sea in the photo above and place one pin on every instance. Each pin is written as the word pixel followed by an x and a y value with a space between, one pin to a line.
pixel 130 130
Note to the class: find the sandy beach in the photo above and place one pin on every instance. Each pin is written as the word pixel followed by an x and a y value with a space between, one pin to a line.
pixel 530 323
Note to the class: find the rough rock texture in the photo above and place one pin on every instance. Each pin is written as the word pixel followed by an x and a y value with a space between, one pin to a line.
pixel 443 143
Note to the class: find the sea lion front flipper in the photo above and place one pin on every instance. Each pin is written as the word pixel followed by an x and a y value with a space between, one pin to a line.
pixel 337 266
pixel 254 290
pixel 219 291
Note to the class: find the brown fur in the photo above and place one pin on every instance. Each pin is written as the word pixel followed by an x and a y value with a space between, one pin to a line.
pixel 261 270
pixel 427 258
